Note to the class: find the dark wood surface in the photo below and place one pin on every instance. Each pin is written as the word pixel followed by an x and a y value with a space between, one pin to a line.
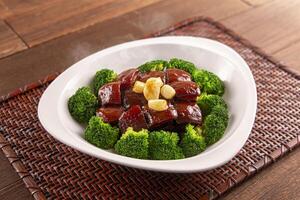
pixel 41 37
pixel 58 54
pixel 10 43
pixel 61 18
pixel 273 26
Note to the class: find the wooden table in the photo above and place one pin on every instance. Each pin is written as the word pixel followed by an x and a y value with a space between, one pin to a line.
pixel 41 37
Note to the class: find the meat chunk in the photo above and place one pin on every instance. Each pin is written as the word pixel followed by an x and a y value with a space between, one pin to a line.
pixel 110 114
pixel 133 117
pixel 188 113
pixel 173 75
pixel 186 90
pixel 131 98
pixel 144 77
pixel 127 78
pixel 174 127
pixel 110 94
pixel 158 119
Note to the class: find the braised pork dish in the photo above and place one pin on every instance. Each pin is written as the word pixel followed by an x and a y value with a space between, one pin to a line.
pixel 161 110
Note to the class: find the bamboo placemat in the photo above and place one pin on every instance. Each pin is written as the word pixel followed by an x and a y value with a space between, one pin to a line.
pixel 53 170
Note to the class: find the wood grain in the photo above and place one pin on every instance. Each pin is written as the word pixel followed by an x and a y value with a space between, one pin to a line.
pixel 4 11
pixel 257 2
pixel 271 26
pixel 14 7
pixel 8 176
pixel 9 42
pixel 290 56
pixel 18 191
pixel 58 54
pixel 279 182
pixel 147 22
pixel 63 17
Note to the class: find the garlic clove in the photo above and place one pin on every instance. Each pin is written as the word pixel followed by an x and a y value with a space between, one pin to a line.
pixel 138 87
pixel 152 88
pixel 158 104
pixel 167 91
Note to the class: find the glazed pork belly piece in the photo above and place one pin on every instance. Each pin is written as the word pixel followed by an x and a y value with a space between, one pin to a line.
pixel 128 77
pixel 158 74
pixel 134 117
pixel 173 75
pixel 159 119
pixel 188 112
pixel 121 105
pixel 131 98
pixel 110 94
pixel 185 90
pixel 110 114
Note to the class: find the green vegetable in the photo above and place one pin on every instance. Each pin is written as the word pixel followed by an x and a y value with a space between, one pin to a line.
pixel 222 113
pixel 183 65
pixel 155 65
pixel 133 144
pixel 207 102
pixel 208 82
pixel 101 134
pixel 192 142
pixel 163 145
pixel 102 77
pixel 215 111
pixel 82 105
pixel 213 128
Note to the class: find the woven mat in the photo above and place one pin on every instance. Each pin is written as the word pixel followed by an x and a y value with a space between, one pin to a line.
pixel 52 170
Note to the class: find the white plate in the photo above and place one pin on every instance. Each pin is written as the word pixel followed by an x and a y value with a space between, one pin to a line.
pixel 208 54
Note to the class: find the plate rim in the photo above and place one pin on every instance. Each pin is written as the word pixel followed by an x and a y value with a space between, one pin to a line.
pixel 148 164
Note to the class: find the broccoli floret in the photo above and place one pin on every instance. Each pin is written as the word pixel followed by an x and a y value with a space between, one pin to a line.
pixel 216 121
pixel 82 105
pixel 155 65
pixel 183 65
pixel 222 113
pixel 133 144
pixel 208 82
pixel 207 102
pixel 213 129
pixel 102 77
pixel 101 134
pixel 163 145
pixel 192 142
